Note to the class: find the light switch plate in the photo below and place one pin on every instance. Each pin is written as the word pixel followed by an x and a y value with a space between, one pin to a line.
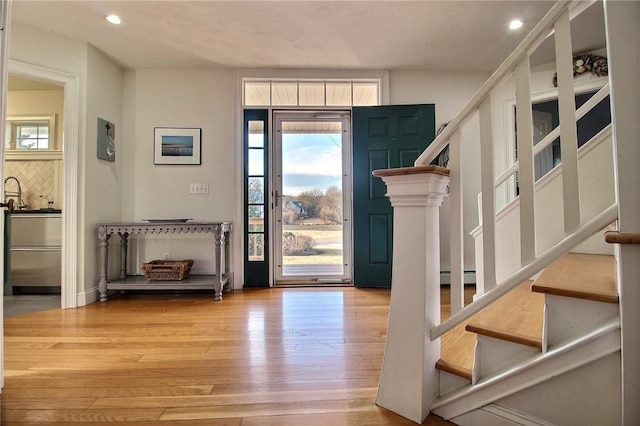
pixel 199 188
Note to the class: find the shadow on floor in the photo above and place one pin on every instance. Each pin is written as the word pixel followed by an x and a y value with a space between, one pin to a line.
pixel 25 304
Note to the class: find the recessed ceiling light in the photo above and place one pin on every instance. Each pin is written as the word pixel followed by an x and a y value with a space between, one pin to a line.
pixel 114 19
pixel 515 24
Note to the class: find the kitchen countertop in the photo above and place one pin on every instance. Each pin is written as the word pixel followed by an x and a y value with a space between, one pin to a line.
pixel 36 211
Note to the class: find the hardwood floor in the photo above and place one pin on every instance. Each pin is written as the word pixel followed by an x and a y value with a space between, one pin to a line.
pixel 301 356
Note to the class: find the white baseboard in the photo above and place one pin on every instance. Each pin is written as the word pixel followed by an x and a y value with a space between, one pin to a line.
pixel 87 297
pixel 469 277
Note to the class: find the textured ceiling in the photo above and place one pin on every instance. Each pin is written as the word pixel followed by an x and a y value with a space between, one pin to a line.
pixel 408 35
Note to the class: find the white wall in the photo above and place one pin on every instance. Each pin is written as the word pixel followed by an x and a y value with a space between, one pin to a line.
pixel 197 98
pixel 449 91
pixel 35 46
pixel 133 188
pixel 99 181
pixel 39 102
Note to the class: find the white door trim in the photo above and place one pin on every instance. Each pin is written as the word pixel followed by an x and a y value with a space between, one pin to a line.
pixel 69 278
pixel 344 117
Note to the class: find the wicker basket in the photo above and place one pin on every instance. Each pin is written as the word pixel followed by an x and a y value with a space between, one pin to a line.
pixel 167 270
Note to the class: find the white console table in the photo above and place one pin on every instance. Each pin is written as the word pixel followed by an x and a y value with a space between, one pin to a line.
pixel 221 233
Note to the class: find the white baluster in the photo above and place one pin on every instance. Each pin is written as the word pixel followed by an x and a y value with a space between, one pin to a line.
pixel 568 131
pixel 525 159
pixel 488 196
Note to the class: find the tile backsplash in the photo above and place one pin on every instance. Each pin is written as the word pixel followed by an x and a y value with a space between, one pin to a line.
pixel 39 181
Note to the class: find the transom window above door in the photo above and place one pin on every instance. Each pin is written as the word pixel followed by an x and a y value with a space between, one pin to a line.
pixel 311 93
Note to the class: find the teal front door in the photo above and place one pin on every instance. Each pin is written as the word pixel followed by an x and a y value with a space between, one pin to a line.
pixel 383 137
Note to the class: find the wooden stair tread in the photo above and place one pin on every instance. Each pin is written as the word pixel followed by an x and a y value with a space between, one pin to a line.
pixel 524 310
pixel 517 317
pixel 579 275
pixel 457 352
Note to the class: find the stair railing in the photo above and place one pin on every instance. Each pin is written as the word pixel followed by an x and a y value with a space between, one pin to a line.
pixel 517 67
pixel 615 237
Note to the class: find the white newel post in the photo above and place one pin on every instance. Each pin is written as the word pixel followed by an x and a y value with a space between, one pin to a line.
pixel 409 381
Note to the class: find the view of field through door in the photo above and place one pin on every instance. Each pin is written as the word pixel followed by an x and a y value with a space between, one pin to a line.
pixel 311 196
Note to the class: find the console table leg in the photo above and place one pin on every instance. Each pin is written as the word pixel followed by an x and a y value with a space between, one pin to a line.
pixel 124 239
pixel 217 284
pixel 104 256
pixel 226 285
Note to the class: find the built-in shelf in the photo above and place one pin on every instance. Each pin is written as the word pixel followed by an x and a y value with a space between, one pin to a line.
pixel 139 282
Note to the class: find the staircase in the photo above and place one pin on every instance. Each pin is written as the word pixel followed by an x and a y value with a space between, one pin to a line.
pixel 570 309
pixel 555 321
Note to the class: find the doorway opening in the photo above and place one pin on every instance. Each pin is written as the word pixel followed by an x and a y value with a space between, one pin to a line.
pixel 279 245
pixel 312 197
pixel 65 196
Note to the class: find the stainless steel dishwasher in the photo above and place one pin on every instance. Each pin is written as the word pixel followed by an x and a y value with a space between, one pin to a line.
pixel 35 251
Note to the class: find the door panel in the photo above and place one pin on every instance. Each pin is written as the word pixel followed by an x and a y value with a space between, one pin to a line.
pixel 383 137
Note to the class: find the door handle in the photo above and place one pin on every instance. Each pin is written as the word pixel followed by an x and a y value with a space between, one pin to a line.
pixel 9 205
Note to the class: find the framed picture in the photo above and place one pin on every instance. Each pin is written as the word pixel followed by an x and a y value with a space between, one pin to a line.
pixel 173 145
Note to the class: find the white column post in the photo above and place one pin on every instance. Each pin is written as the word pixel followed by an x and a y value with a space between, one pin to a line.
pixel 622 21
pixel 409 381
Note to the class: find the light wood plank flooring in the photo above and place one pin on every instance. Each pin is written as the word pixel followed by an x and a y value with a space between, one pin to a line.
pixel 302 356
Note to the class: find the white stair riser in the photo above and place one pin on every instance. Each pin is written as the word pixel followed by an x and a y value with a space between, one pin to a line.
pixel 496 355
pixel 450 382
pixel 569 317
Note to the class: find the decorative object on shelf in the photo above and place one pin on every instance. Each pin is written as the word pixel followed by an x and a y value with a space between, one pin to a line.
pixel 167 270
pixel 106 140
pixel 587 62
pixel 174 145
pixel 181 220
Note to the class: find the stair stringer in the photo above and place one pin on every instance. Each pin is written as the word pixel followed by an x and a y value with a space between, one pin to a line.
pixel 565 357
pixel 589 395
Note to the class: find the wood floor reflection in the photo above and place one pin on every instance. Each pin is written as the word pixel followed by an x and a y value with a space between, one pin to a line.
pixel 303 356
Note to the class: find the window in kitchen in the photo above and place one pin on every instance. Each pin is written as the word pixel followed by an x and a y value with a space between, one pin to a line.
pixel 30 132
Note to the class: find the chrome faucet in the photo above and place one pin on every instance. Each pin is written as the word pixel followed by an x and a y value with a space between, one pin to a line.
pixel 17 195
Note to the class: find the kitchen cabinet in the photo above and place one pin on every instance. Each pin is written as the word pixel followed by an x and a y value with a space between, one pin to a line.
pixel 34 255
